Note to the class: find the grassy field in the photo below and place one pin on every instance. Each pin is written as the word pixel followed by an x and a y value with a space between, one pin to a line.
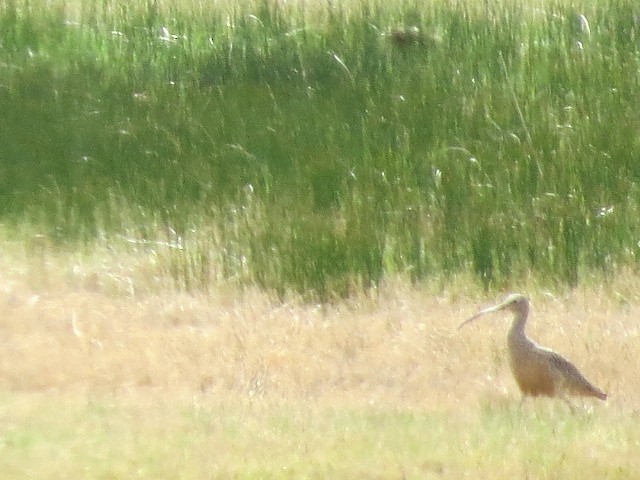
pixel 103 380
pixel 237 237
pixel 317 149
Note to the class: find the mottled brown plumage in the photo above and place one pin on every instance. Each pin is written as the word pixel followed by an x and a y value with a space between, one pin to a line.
pixel 538 370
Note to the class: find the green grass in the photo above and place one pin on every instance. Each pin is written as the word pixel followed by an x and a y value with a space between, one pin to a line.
pixel 128 438
pixel 299 148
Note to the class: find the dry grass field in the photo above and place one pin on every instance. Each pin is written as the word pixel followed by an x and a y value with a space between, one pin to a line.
pixel 105 372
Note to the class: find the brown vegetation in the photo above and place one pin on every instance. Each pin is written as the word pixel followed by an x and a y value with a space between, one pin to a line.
pixel 80 324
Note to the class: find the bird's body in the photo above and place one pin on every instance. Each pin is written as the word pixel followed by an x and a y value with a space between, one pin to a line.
pixel 539 370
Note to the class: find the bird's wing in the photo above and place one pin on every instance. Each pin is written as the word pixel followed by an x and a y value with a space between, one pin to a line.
pixel 571 376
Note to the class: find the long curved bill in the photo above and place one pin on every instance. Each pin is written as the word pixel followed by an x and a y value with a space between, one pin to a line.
pixel 495 308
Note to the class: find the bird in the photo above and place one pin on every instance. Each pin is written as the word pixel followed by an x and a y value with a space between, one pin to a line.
pixel 403 37
pixel 538 371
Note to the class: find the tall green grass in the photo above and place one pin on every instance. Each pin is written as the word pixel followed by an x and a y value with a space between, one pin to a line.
pixel 302 148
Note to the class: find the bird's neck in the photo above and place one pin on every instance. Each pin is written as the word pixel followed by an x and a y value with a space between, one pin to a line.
pixel 519 320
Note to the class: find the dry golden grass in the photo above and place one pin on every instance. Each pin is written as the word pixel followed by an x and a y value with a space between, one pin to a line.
pixel 133 379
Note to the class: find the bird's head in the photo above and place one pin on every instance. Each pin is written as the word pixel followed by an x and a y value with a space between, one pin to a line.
pixel 515 302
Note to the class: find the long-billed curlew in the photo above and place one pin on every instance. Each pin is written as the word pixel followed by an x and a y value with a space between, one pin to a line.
pixel 538 370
